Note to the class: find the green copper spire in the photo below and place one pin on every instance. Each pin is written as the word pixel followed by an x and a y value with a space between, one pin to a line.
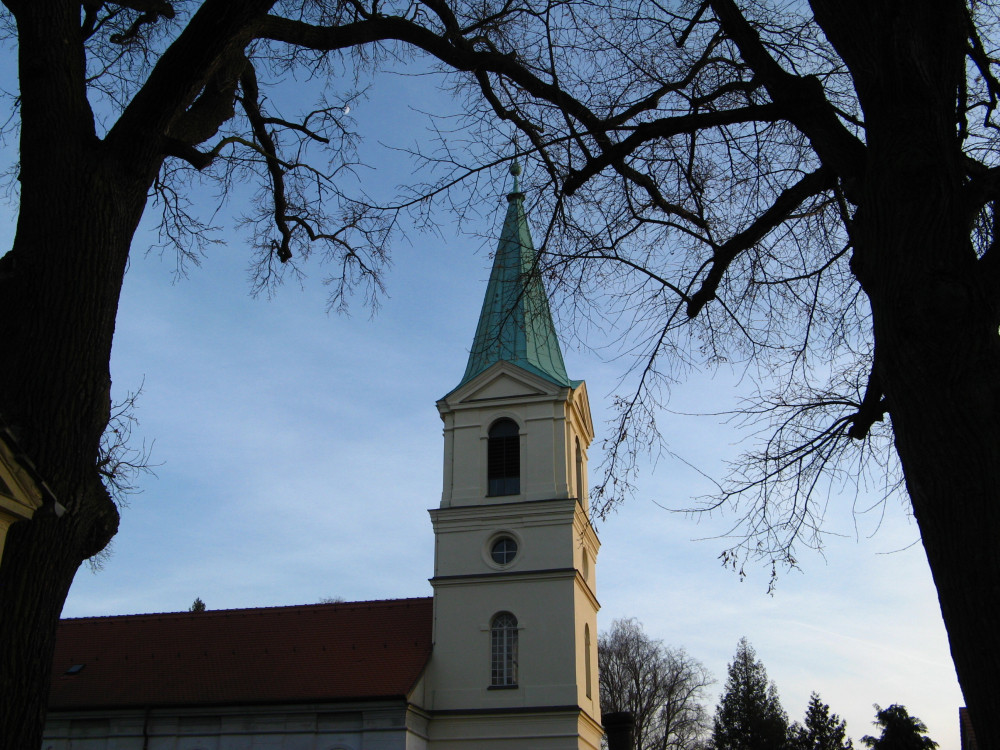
pixel 516 325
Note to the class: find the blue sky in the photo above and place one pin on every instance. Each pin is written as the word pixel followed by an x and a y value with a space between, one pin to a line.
pixel 299 452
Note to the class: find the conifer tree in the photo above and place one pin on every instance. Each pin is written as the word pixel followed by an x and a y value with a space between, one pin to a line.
pixel 749 716
pixel 822 730
pixel 900 731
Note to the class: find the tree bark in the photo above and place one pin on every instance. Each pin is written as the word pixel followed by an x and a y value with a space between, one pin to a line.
pixel 66 267
pixel 81 200
pixel 939 365
pixel 59 290
pixel 934 311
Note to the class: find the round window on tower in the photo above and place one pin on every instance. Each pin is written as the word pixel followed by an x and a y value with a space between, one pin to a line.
pixel 504 550
pixel 501 549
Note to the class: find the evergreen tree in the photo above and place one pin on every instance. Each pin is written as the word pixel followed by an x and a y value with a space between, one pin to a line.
pixel 197 605
pixel 822 730
pixel 900 731
pixel 749 716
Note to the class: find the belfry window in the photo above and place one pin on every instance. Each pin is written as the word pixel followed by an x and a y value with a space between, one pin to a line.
pixel 503 650
pixel 503 458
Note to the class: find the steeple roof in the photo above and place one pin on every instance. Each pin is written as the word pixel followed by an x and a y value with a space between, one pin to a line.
pixel 515 324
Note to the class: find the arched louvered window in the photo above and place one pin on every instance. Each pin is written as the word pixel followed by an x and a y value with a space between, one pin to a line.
pixel 504 458
pixel 503 650
pixel 586 657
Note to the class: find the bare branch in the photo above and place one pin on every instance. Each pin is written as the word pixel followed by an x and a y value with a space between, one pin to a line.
pixel 802 100
pixel 151 11
pixel 249 100
pixel 789 200
pixel 121 463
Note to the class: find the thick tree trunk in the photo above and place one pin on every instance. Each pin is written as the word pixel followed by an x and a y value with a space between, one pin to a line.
pixel 934 307
pixel 81 201
pixel 59 289
pixel 939 358
pixel 66 267
pixel 947 438
pixel 940 367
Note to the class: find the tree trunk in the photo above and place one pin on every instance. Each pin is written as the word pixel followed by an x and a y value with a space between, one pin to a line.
pixel 66 267
pixel 934 311
pixel 940 362
pixel 59 289
pixel 81 201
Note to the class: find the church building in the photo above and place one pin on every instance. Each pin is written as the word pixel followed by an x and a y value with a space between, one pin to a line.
pixel 502 657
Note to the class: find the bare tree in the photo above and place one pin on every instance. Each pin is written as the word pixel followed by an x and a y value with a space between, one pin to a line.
pixel 662 687
pixel 124 106
pixel 807 190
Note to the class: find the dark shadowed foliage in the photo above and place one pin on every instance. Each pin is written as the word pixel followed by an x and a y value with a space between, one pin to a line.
pixel 900 731
pixel 749 715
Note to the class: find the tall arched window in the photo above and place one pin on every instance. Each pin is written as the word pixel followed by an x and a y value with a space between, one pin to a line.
pixel 586 656
pixel 503 650
pixel 503 460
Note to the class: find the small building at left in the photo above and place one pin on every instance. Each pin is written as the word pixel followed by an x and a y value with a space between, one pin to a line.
pixel 249 678
pixel 22 490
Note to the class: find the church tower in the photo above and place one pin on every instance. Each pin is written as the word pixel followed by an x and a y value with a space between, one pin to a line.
pixel 514 661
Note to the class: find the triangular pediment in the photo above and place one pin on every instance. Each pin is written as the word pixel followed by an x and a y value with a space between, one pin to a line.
pixel 503 381
pixel 503 386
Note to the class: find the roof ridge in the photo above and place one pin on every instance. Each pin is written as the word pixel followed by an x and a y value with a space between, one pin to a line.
pixel 365 603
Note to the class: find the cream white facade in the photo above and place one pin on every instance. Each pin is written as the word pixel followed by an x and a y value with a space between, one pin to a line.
pixel 549 585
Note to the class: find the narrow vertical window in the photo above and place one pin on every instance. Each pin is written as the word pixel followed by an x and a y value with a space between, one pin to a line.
pixel 580 490
pixel 503 458
pixel 586 656
pixel 503 650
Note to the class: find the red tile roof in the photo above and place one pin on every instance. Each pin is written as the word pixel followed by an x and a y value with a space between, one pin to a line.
pixel 319 652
